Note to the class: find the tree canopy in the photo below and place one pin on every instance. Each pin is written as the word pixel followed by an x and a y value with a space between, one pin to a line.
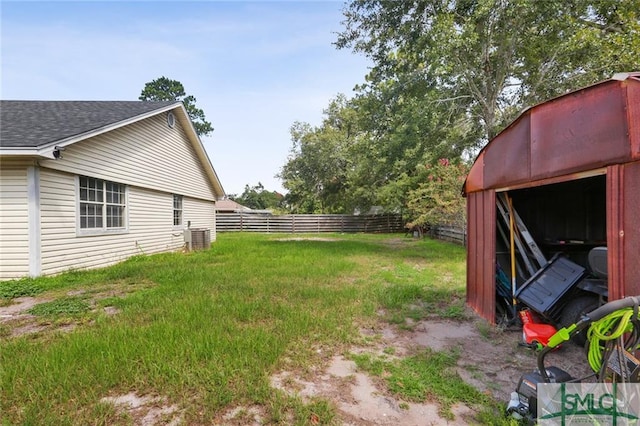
pixel 447 76
pixel 257 198
pixel 165 89
pixel 488 59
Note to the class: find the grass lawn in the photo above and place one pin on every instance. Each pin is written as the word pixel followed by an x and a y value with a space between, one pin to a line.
pixel 206 330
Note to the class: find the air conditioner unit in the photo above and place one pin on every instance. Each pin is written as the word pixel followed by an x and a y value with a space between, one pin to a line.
pixel 197 238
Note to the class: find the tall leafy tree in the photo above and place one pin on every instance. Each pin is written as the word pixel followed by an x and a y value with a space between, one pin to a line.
pixel 316 173
pixel 447 76
pixel 165 89
pixel 490 58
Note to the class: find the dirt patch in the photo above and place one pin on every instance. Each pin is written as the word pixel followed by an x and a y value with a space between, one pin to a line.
pixel 359 399
pixel 146 410
pixel 490 360
pixel 245 416
pixel 399 242
pixel 18 306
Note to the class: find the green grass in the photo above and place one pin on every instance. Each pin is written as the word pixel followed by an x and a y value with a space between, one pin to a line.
pixel 207 329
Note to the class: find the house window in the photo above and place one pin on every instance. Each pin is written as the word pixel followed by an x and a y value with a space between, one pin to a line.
pixel 177 210
pixel 102 204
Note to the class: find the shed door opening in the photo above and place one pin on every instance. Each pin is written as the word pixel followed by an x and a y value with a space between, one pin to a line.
pixel 566 218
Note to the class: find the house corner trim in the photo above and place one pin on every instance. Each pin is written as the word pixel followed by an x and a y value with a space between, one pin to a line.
pixel 33 196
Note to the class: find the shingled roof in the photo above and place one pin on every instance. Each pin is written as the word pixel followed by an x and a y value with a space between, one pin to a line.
pixel 33 124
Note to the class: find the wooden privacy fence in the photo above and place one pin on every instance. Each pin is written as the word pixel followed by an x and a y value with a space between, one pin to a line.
pixel 308 223
pixel 453 234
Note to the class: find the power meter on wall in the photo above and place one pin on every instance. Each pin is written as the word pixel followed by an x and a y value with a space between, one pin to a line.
pixel 171 119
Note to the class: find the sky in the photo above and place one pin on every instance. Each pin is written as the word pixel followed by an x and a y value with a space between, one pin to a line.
pixel 254 67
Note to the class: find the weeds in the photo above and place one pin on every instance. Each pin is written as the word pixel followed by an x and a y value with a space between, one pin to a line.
pixel 65 305
pixel 20 288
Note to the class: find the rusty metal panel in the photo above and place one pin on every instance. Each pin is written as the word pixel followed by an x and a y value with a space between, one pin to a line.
pixel 475 179
pixel 580 131
pixel 507 158
pixel 481 253
pixel 633 114
pixel 615 231
pixel 473 281
pixel 489 255
pixel 631 226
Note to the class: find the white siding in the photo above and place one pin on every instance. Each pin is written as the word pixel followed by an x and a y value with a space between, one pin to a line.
pixel 150 226
pixel 201 214
pixel 14 222
pixel 146 154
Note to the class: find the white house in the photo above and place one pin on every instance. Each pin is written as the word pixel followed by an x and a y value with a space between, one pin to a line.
pixel 89 183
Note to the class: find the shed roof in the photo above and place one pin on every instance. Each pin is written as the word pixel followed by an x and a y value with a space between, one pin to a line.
pixel 580 131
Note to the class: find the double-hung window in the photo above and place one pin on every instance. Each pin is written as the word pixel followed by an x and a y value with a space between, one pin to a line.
pixel 102 204
pixel 177 210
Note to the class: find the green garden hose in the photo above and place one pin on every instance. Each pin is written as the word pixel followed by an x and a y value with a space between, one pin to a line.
pixel 606 330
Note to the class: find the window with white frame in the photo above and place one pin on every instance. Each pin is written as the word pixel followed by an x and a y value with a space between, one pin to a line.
pixel 102 204
pixel 177 210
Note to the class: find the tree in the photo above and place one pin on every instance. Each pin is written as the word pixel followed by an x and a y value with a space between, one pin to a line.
pixel 488 59
pixel 164 89
pixel 316 173
pixel 437 200
pixel 447 76
pixel 256 197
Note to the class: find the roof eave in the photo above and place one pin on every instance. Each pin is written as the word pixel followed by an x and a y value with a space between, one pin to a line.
pixel 40 153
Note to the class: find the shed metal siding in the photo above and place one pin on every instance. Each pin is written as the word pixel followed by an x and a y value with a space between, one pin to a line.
pixel 623 229
pixel 581 131
pixel 633 117
pixel 481 207
pixel 615 230
pixel 474 265
pixel 508 157
pixel 631 194
pixel 145 154
pixel 14 221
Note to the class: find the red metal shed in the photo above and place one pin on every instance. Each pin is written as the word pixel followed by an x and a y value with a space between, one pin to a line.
pixel 572 167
